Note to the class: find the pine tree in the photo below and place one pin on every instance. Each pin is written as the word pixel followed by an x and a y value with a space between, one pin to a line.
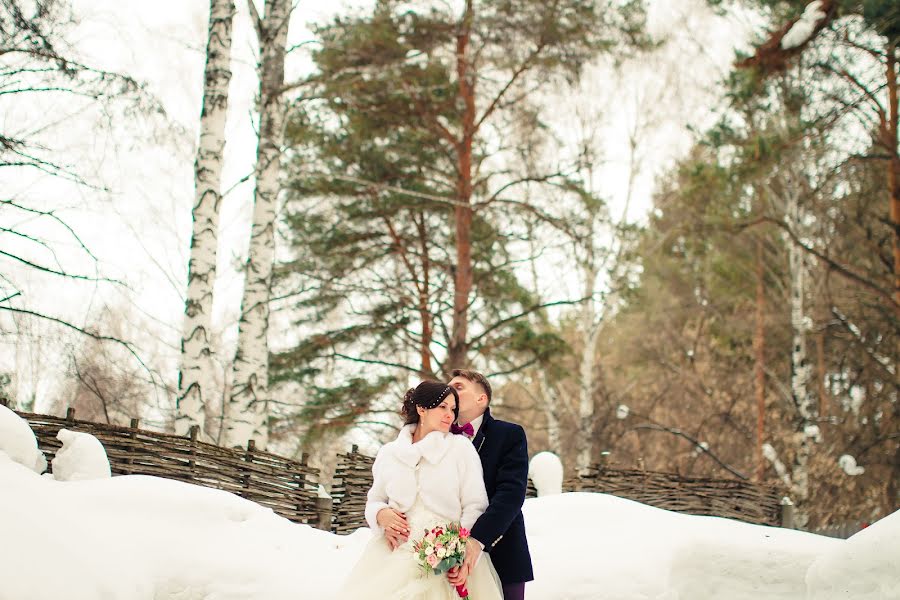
pixel 411 208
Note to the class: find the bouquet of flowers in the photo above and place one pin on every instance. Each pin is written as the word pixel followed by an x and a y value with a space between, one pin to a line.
pixel 441 549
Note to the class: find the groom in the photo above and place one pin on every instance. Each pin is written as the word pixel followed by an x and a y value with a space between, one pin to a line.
pixel 500 531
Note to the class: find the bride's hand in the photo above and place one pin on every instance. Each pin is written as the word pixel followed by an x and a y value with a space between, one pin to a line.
pixel 395 527
pixel 458 575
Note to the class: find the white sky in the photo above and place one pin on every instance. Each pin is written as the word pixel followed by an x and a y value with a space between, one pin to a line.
pixel 141 230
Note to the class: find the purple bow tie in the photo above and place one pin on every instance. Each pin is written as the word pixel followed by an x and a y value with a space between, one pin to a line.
pixel 466 429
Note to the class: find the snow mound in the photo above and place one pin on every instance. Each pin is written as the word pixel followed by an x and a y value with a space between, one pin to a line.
pixel 18 442
pixel 81 457
pixel 587 546
pixel 146 538
pixel 857 568
pixel 546 471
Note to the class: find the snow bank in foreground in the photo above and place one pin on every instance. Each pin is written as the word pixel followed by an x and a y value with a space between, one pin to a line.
pixel 18 442
pixel 145 538
pixel 865 567
pixel 597 546
pixel 81 457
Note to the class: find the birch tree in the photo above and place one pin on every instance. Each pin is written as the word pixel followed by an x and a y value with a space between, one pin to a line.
pixel 247 410
pixel 787 195
pixel 196 377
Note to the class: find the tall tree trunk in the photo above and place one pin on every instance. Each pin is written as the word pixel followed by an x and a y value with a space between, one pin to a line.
pixel 424 293
pixel 893 488
pixel 891 145
pixel 551 404
pixel 590 332
pixel 196 376
pixel 759 352
pixel 807 432
pixel 248 405
pixel 458 351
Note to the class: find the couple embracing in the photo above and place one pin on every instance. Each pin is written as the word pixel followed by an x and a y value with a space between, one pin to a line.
pixel 452 463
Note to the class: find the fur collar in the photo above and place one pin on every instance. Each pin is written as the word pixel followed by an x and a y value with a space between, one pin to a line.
pixel 432 447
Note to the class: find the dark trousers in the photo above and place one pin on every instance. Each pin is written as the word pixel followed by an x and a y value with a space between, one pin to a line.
pixel 513 591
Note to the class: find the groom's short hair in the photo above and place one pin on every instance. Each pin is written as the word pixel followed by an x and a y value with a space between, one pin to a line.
pixel 474 377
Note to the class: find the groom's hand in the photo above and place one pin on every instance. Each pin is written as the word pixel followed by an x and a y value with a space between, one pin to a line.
pixel 395 527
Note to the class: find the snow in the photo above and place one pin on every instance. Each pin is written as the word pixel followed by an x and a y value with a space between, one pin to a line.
pixel 81 457
pixel 802 30
pixel 146 538
pixel 848 464
pixel 864 567
pixel 813 431
pixel 772 456
pixel 546 471
pixel 17 441
pixel 586 544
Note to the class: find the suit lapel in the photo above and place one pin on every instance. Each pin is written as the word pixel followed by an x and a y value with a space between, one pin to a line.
pixel 478 440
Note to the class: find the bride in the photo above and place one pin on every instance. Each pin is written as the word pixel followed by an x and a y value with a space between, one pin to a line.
pixel 425 478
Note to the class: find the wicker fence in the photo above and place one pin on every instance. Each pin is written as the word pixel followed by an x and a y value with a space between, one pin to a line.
pixel 286 486
pixel 289 487
pixel 728 498
pixel 352 480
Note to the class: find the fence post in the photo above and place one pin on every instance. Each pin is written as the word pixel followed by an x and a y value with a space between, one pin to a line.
pixel 787 513
pixel 248 457
pixel 324 509
pixel 301 483
pixel 70 414
pixel 192 464
pixel 129 462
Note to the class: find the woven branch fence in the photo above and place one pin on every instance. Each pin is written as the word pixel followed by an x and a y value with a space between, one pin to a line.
pixel 289 487
pixel 730 498
pixel 733 499
pixel 286 486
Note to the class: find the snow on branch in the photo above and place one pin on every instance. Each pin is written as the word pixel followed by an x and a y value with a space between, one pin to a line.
pixel 773 55
pixel 772 456
pixel 849 466
pixel 802 30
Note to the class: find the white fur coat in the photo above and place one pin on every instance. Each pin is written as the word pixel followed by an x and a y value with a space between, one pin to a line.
pixel 450 481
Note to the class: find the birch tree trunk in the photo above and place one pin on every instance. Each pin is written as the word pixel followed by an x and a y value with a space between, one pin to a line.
pixel 248 404
pixel 195 378
pixel 807 432
pixel 552 404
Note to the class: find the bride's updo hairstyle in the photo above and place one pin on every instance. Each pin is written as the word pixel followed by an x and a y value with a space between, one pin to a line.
pixel 428 394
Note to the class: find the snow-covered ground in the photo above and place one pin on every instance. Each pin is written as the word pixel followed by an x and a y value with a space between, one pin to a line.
pixel 146 538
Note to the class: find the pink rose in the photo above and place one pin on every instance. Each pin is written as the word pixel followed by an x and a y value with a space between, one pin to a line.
pixel 463 533
pixel 433 560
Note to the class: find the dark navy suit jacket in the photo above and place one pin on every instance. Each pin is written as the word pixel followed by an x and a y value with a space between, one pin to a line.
pixel 504 457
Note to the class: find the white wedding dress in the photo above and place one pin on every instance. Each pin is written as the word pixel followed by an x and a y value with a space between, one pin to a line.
pixel 383 574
